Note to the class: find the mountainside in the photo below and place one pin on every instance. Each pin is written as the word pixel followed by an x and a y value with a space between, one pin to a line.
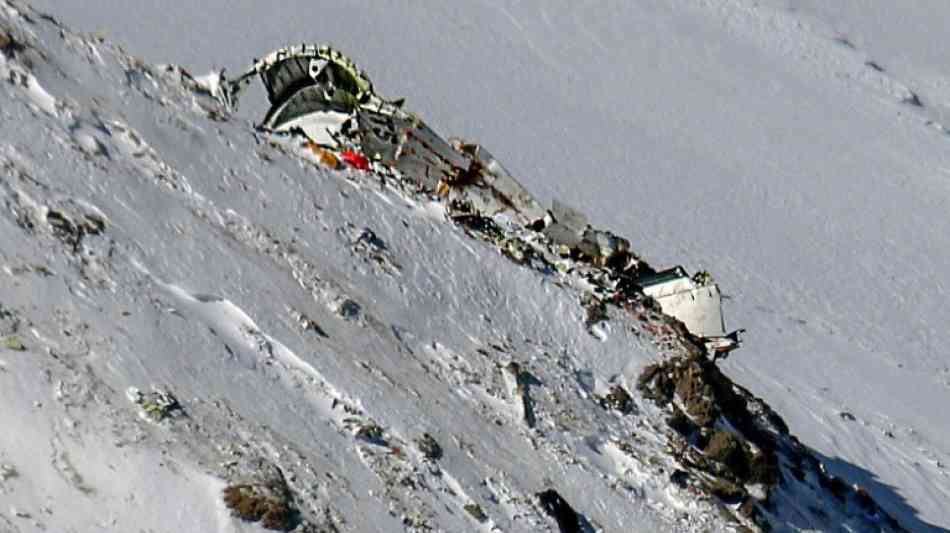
pixel 196 315
pixel 796 149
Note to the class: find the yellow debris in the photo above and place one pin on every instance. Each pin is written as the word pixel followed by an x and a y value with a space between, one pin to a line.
pixel 442 189
pixel 324 156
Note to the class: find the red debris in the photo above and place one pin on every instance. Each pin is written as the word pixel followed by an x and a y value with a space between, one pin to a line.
pixel 355 160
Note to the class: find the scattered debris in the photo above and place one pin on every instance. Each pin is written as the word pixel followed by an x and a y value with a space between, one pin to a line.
pixel 13 342
pixel 346 308
pixel 912 99
pixel 843 40
pixel 355 160
pixel 595 309
pixel 618 399
pixel 157 405
pixel 306 324
pixel 475 511
pixel 72 230
pixel 324 156
pixel 9 45
pixel 518 383
pixel 16 512
pixel 8 472
pixel 429 447
pixel 368 431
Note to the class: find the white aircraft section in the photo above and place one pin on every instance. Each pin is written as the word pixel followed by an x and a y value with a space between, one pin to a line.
pixel 698 307
pixel 320 127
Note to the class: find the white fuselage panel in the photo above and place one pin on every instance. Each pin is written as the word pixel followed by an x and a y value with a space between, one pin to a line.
pixel 699 308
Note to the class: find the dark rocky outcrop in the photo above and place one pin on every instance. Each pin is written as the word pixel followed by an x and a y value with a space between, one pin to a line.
pixel 732 441
pixel 263 497
pixel 561 511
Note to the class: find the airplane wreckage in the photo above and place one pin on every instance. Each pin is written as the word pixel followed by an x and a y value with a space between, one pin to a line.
pixel 319 95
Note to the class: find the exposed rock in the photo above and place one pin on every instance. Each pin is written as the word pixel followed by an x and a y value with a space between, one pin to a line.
pixel 764 469
pixel 263 496
pixel 750 510
pixel 255 503
pixel 618 399
pixel 681 424
pixel 558 509
pixel 726 491
pixel 697 396
pixel 834 484
pixel 727 449
pixel 475 511
pixel 429 447
pixel 595 309
pixel 72 230
pixel 680 478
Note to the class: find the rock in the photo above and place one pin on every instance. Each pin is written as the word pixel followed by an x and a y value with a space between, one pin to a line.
pixel 750 510
pixel 262 496
pixel 72 230
pixel 681 424
pixel 255 503
pixel 727 449
pixel 347 309
pixel 596 310
pixel 727 491
pixel 558 509
pixel 603 246
pixel 618 399
pixel 429 447
pixel 680 478
pixel 763 468
pixel 838 488
pixel 698 396
pixel 656 383
pixel 864 499
pixel 475 511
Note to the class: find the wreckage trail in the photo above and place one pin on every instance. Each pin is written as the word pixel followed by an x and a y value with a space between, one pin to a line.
pixel 561 241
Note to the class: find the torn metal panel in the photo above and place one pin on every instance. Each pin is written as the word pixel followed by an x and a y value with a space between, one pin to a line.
pixel 696 302
pixel 511 195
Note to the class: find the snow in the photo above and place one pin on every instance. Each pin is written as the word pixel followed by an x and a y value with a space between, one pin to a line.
pixel 750 139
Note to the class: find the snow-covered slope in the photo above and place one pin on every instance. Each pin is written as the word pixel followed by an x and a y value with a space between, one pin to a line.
pixel 773 143
pixel 317 323
pixel 255 293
